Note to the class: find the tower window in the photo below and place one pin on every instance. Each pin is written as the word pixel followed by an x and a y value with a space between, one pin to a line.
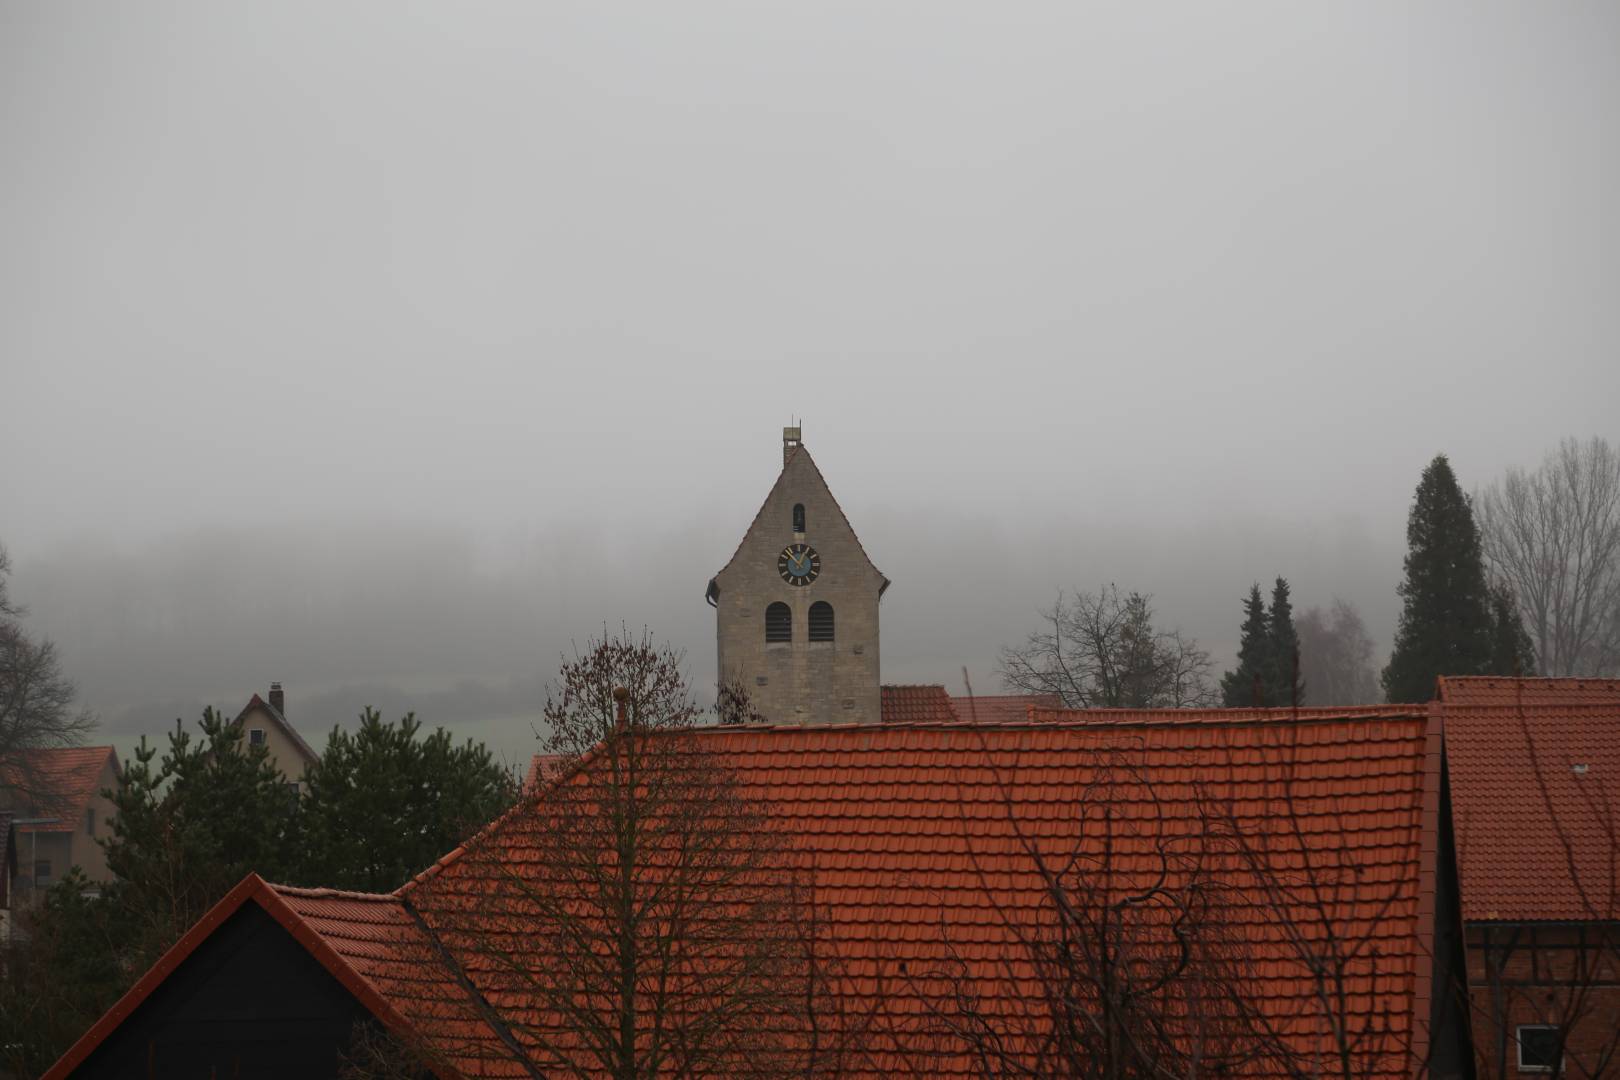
pixel 798 517
pixel 821 621
pixel 778 622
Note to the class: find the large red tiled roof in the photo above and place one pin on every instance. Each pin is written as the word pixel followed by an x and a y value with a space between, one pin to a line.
pixel 1002 708
pixel 916 839
pixel 917 705
pixel 914 833
pixel 1535 792
pixel 60 783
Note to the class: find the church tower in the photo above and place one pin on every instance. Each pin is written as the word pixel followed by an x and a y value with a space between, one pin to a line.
pixel 797 606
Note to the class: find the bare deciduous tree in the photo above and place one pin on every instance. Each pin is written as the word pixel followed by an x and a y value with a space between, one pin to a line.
pixel 1553 535
pixel 1101 650
pixel 36 705
pixel 1336 656
pixel 640 918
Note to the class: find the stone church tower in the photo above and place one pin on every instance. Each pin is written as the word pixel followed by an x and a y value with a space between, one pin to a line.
pixel 797 605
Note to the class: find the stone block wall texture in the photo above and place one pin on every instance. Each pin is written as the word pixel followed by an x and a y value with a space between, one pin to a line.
pixel 802 681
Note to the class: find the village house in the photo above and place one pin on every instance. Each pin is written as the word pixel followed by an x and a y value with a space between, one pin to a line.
pixel 1534 769
pixel 264 723
pixel 59 814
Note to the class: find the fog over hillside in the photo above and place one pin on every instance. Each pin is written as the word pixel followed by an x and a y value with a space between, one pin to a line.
pixel 389 360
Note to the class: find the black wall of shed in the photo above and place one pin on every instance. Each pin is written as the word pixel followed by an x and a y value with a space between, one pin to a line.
pixel 248 1002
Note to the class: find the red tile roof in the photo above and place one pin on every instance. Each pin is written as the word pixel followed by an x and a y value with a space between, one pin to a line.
pixel 917 705
pixel 1002 708
pixel 60 783
pixel 1534 771
pixel 899 822
pixel 914 834
pixel 1495 690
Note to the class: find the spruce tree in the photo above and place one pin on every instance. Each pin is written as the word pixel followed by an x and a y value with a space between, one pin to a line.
pixel 1446 625
pixel 1282 648
pixel 1247 684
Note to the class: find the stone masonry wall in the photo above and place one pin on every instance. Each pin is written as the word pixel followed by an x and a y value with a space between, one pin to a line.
pixel 802 681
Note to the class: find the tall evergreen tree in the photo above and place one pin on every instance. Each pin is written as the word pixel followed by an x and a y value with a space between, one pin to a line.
pixel 1282 648
pixel 1512 650
pixel 1248 684
pixel 1446 624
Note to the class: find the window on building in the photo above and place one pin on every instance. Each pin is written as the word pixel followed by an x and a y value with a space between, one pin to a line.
pixel 821 621
pixel 778 622
pixel 90 821
pixel 256 736
pixel 42 873
pixel 798 517
pixel 1540 1046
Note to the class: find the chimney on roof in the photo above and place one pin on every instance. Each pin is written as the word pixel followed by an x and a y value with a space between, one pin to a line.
pixel 278 700
pixel 790 442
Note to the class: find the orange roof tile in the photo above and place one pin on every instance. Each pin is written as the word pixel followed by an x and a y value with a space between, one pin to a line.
pixel 1534 768
pixel 62 780
pixel 917 705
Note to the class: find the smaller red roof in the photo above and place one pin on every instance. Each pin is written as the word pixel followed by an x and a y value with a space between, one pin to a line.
pixel 918 705
pixel 1534 787
pixel 1003 708
pixel 58 782
pixel 1496 690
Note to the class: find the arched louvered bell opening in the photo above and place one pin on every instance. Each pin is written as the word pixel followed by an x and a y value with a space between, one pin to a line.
pixel 821 621
pixel 798 517
pixel 778 623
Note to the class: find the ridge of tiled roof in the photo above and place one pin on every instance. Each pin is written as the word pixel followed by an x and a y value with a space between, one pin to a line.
pixel 760 513
pixel 1225 715
pixel 1505 690
pixel 70 778
pixel 999 708
pixel 1535 777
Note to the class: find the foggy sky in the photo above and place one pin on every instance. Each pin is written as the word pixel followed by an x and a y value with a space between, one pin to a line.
pixel 387 349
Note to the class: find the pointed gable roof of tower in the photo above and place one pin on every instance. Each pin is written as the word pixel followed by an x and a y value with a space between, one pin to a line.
pixel 793 457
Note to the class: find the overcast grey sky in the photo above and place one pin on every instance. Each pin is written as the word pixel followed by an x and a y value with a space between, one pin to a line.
pixel 386 348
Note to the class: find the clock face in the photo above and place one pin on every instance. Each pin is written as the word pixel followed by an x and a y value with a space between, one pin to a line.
pixel 798 564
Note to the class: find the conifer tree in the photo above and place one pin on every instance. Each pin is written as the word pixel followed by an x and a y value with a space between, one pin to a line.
pixel 1446 624
pixel 1247 684
pixel 1282 649
pixel 1512 651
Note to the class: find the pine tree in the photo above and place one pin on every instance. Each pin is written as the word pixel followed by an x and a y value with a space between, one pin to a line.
pixel 1282 648
pixel 1247 684
pixel 1446 624
pixel 385 801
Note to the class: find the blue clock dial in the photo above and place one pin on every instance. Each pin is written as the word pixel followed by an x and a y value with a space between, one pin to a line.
pixel 798 564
